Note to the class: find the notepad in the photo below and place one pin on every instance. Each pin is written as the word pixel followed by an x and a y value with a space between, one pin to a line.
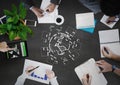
pixel 104 18
pixel 90 67
pixel 38 74
pixel 48 17
pixel 85 22
pixel 110 39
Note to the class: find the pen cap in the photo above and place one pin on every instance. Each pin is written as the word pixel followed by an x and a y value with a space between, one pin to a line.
pixel 59 20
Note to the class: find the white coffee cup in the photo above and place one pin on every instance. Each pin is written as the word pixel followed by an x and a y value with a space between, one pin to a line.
pixel 59 20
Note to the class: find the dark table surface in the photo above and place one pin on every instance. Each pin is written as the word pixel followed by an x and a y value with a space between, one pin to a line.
pixel 88 47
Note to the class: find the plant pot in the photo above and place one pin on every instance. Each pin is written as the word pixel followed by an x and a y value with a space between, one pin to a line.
pixel 17 38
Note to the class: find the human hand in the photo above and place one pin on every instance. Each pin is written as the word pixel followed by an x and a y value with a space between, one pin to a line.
pixel 110 20
pixel 106 67
pixel 50 74
pixel 109 54
pixel 38 12
pixel 27 71
pixel 50 8
pixel 86 80
pixel 4 47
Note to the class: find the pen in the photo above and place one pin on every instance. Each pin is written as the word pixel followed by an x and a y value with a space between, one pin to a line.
pixel 106 50
pixel 87 75
pixel 111 21
pixel 32 69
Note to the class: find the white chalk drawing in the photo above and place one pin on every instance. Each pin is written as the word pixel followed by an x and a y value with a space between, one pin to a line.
pixel 60 44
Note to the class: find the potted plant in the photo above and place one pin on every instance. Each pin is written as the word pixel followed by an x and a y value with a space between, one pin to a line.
pixel 14 25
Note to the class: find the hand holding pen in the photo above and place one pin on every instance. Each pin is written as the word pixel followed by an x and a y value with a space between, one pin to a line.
pixel 107 52
pixel 111 20
pixel 30 69
pixel 86 80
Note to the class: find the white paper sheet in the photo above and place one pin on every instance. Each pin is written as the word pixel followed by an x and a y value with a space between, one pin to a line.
pixel 107 36
pixel 39 73
pixel 85 20
pixel 104 18
pixel 48 17
pixel 90 67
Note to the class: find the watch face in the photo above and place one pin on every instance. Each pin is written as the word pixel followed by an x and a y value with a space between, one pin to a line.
pixel 113 68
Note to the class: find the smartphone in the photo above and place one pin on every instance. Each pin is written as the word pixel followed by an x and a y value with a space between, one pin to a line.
pixel 31 23
pixel 3 19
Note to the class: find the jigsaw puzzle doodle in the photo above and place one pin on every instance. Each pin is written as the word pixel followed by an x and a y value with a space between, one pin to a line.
pixel 60 44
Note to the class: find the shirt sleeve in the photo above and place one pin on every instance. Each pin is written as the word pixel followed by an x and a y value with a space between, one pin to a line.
pixel 54 81
pixel 20 80
pixel 30 3
pixel 56 1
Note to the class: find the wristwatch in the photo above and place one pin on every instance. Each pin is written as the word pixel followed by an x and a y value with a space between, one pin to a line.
pixel 113 68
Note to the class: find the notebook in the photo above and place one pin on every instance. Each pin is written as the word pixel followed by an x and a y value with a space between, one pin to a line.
pixel 110 39
pixel 85 22
pixel 104 18
pixel 39 74
pixel 90 67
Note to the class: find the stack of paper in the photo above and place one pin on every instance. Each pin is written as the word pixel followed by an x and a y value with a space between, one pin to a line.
pixel 85 22
pixel 48 17
pixel 38 74
pixel 110 39
pixel 90 67
pixel 104 18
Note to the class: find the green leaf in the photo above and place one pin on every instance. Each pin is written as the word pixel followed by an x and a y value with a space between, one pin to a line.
pixel 8 13
pixel 14 9
pixel 10 19
pixel 9 27
pixel 12 35
pixel 27 29
pixel 3 26
pixel 15 19
pixel 23 35
pixel 22 11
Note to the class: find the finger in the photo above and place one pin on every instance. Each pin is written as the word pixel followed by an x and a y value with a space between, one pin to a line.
pixel 84 81
pixel 90 79
pixel 40 15
pixel 100 61
pixel 9 48
pixel 48 71
pixel 105 52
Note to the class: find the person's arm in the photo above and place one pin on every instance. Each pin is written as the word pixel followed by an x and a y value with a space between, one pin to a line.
pixel 30 3
pixel 56 2
pixel 53 81
pixel 37 11
pixel 109 54
pixel 106 67
pixel 117 71
pixel 50 8
pixel 51 75
pixel 20 80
